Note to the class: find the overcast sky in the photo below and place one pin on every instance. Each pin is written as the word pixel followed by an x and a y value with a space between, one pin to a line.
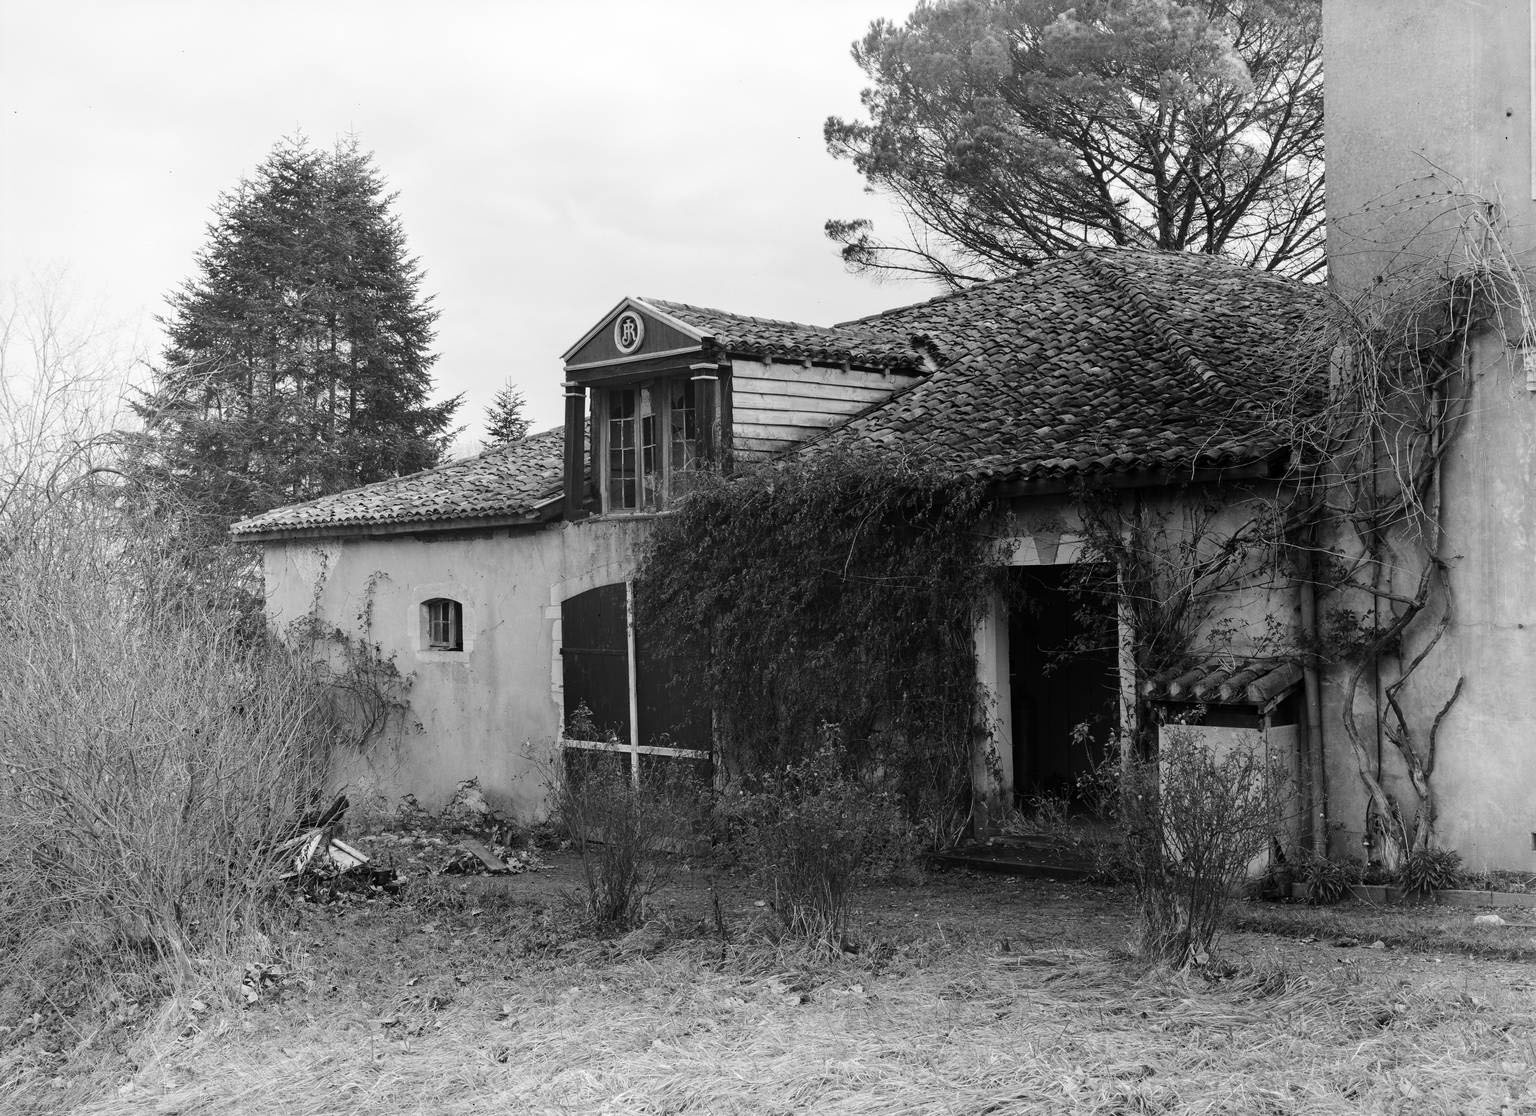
pixel 550 158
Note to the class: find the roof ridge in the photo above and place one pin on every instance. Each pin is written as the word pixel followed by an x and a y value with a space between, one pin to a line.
pixel 942 297
pixel 1101 271
pixel 665 302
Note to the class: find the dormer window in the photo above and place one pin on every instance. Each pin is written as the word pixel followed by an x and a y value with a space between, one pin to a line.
pixel 650 441
pixel 443 624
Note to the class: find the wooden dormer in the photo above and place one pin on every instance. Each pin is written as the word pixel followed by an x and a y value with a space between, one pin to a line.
pixel 676 388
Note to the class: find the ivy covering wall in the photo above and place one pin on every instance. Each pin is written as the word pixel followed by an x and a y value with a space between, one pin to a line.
pixel 831 600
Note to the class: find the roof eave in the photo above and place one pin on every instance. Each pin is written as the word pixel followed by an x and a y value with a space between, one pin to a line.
pixel 535 517
pixel 1260 469
pixel 852 360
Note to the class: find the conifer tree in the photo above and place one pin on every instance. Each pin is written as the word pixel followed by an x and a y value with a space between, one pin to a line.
pixel 504 418
pixel 1008 131
pixel 299 356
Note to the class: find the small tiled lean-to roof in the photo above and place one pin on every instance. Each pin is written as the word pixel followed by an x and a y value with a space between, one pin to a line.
pixel 1102 361
pixel 741 335
pixel 504 483
pixel 1226 681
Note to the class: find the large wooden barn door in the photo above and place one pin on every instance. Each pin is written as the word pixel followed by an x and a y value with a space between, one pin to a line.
pixel 595 663
pixel 604 697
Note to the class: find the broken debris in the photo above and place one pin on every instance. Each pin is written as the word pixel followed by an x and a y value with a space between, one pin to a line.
pixel 322 860
pixel 475 858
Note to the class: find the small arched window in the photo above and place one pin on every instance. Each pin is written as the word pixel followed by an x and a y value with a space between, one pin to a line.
pixel 443 624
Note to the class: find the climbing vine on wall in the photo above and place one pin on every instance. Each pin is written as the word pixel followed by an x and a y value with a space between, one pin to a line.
pixel 1173 568
pixel 1371 523
pixel 364 688
pixel 833 595
pixel 1359 515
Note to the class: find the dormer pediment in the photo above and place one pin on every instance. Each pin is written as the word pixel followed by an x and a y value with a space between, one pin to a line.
pixel 632 331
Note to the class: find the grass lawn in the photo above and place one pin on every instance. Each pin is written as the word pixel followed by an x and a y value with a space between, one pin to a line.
pixel 972 994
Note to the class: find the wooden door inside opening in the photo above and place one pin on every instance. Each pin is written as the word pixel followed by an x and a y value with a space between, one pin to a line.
pixel 1064 677
pixel 601 693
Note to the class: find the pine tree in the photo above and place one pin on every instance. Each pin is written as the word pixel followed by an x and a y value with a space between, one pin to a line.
pixel 504 418
pixel 298 360
pixel 1013 130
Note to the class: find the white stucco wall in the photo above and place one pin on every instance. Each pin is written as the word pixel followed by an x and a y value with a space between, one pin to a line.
pixel 1255 616
pixel 491 711
pixel 1415 85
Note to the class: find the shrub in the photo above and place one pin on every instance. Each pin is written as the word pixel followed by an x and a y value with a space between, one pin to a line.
pixel 155 745
pixel 813 834
pixel 1328 881
pixel 627 835
pixel 153 753
pixel 1194 821
pixel 1430 869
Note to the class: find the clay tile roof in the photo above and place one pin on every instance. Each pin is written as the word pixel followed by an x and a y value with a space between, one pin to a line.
pixel 742 335
pixel 1225 681
pixel 1104 360
pixel 1101 361
pixel 501 483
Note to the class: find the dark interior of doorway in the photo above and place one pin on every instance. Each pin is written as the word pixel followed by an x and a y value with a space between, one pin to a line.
pixel 1063 672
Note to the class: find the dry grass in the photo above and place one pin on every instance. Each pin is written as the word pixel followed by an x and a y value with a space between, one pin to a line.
pixel 1423 928
pixel 474 1005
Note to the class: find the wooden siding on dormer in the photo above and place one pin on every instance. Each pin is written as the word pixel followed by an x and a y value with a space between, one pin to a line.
pixel 773 406
pixel 659 338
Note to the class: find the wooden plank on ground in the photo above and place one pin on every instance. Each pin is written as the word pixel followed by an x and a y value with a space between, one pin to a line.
pixel 492 862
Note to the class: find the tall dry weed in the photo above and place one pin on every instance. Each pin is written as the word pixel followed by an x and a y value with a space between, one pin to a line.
pixel 153 753
pixel 155 745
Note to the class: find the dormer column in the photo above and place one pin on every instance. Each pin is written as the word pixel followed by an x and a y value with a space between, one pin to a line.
pixel 706 398
pixel 575 448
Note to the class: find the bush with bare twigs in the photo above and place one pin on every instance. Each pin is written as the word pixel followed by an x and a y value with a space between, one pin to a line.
pixel 155 746
pixel 628 833
pixel 1195 819
pixel 813 835
pixel 151 758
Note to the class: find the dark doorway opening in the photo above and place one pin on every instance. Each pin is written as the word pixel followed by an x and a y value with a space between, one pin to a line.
pixel 1064 673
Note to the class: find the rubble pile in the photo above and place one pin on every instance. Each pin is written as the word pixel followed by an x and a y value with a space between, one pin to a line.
pixel 467 838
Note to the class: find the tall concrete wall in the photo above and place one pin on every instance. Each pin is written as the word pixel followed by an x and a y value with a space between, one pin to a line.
pixel 492 710
pixel 1425 96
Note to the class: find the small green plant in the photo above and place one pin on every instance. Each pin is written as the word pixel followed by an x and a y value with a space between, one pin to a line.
pixel 1430 869
pixel 626 833
pixel 1194 821
pixel 1328 881
pixel 582 725
pixel 813 834
pixel 1042 813
pixel 1097 790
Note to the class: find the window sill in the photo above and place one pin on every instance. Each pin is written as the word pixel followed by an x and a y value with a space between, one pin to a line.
pixel 433 655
